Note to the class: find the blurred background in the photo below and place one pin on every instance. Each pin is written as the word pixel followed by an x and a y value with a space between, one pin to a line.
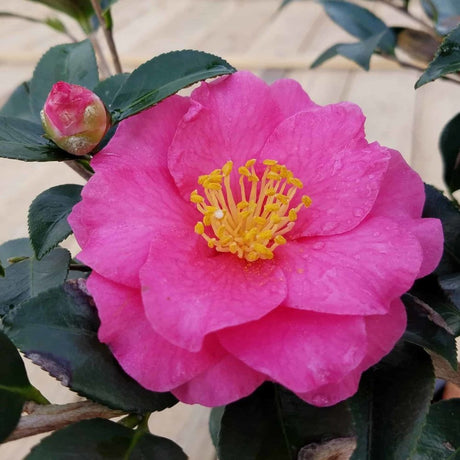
pixel 250 34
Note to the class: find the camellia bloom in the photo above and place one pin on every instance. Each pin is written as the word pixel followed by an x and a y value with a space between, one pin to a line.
pixel 246 234
pixel 74 118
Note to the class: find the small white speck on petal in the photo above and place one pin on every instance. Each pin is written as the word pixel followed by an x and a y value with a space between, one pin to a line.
pixel 219 214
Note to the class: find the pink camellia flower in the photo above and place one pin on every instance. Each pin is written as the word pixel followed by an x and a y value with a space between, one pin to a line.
pixel 245 234
pixel 74 118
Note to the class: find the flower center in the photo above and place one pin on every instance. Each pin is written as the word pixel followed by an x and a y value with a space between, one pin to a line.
pixel 252 227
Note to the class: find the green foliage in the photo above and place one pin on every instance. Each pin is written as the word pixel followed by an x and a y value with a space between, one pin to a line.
pixel 23 140
pixel 18 104
pixel 99 439
pixel 48 214
pixel 446 60
pixel 57 330
pixel 28 278
pixel 15 248
pixel 440 438
pixel 427 328
pixel 449 145
pixel 162 76
pixel 74 63
pixel 109 88
pixel 444 13
pixel 390 407
pixel 274 424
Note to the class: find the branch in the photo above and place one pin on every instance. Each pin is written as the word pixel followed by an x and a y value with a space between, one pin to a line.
pixel 79 169
pixel 42 419
pixel 108 35
pixel 105 69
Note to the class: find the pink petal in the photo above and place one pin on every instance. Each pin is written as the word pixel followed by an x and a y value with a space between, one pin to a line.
pixel 301 350
pixel 326 150
pixel 149 359
pixel 115 225
pixel 229 119
pixel 383 331
pixel 402 193
pixel 358 273
pixel 291 97
pixel 223 383
pixel 189 293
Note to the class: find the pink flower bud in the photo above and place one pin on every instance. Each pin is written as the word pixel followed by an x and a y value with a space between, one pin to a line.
pixel 74 118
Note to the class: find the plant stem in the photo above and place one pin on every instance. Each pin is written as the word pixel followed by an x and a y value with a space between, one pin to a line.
pixel 41 419
pixel 402 10
pixel 79 267
pixel 105 69
pixel 79 169
pixel 108 35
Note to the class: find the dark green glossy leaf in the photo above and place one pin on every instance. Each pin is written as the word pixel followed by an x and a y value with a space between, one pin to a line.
pixel 444 13
pixel 427 328
pixel 15 248
pixel 18 104
pixel 440 438
pixel 100 439
pixel 274 424
pixel 437 205
pixel 446 60
pixel 390 407
pixel 449 145
pixel 359 22
pixel 360 52
pixel 429 291
pixel 48 214
pixel 165 75
pixel 109 88
pixel 451 286
pixel 215 421
pixel 30 277
pixel 58 331
pixel 14 384
pixel 74 63
pixel 23 140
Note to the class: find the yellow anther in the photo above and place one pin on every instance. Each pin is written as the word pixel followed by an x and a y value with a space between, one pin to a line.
pixel 250 219
pixel 292 215
pixel 273 207
pixel 227 168
pixel 199 228
pixel 244 171
pixel 297 183
pixel 282 198
pixel 196 198
pixel 306 200
pixel 279 239
pixel 274 218
pixel 273 176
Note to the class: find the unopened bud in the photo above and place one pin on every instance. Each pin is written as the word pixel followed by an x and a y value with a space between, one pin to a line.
pixel 74 118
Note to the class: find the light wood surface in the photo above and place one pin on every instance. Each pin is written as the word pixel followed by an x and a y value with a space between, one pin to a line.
pixel 252 35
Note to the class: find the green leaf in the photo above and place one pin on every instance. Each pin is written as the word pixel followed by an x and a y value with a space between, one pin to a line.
pixel 48 214
pixel 438 206
pixel 19 247
pixel 23 140
pixel 390 407
pixel 449 145
pixel 359 22
pixel 274 424
pixel 446 60
pixel 100 439
pixel 451 286
pixel 215 421
pixel 426 328
pixel 440 438
pixel 74 63
pixel 444 13
pixel 165 75
pixel 14 386
pixel 30 277
pixel 360 52
pixel 58 331
pixel 18 104
pixel 109 88
pixel 2 270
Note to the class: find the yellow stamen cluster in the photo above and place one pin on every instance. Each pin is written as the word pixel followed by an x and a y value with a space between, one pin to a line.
pixel 253 227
